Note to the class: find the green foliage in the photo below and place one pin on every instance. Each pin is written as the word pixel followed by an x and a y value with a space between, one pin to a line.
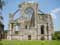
pixel 5 31
pixel 56 35
pixel 2 3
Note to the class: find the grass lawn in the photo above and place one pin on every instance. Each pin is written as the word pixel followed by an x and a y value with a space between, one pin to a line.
pixel 30 42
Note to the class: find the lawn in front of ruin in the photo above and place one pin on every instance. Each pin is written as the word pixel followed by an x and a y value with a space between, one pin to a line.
pixel 30 42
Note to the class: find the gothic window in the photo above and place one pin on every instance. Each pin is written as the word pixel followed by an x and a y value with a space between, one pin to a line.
pixel 28 13
pixel 42 29
pixel 16 28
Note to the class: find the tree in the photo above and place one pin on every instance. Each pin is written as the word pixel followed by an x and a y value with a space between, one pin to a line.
pixel 5 34
pixel 2 3
pixel 56 35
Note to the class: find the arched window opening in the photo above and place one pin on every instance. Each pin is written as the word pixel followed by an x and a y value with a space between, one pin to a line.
pixel 42 29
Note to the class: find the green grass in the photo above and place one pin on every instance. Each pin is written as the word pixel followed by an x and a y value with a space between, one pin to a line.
pixel 30 42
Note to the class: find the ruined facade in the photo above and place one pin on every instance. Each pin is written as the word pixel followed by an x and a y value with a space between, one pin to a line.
pixel 31 25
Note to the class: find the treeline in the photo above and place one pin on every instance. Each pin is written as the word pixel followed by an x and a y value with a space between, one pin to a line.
pixel 56 35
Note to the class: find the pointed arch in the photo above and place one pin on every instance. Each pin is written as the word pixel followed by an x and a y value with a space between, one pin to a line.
pixel 42 29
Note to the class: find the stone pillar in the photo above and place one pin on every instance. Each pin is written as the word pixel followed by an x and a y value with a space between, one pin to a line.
pixel 39 32
pixel 50 37
pixel 9 37
pixel 14 28
pixel 9 33
pixel 10 28
pixel 49 32
pixel 45 32
pixel 49 27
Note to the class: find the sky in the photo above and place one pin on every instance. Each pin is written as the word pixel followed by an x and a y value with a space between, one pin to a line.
pixel 46 6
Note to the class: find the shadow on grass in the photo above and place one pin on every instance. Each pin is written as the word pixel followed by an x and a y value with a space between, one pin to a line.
pixel 1 43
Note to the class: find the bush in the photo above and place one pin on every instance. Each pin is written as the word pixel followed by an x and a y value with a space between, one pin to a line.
pixel 56 35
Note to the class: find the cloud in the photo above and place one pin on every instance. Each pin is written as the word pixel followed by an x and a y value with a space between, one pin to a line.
pixel 53 15
pixel 54 12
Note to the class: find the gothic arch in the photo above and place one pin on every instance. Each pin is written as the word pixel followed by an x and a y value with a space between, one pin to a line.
pixel 42 29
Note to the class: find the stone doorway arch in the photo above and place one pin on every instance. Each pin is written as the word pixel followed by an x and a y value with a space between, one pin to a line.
pixel 29 37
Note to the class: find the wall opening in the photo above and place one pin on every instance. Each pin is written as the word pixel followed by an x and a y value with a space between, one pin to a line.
pixel 42 29
pixel 29 37
pixel 42 38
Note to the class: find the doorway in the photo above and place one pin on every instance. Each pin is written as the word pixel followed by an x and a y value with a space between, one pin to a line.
pixel 42 29
pixel 29 37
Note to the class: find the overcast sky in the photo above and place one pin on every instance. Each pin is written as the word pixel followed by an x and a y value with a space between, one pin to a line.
pixel 47 6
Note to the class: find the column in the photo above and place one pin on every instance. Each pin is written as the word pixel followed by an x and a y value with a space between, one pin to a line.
pixel 45 32
pixel 11 31
pixel 14 28
pixel 49 32
pixel 39 32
